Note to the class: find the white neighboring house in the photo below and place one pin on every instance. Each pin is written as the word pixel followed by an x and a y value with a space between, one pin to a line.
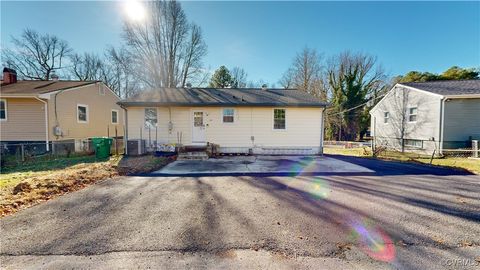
pixel 258 121
pixel 428 116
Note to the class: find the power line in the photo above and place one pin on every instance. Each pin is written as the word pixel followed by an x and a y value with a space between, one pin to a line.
pixel 356 106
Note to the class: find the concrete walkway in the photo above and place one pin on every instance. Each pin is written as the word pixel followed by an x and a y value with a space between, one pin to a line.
pixel 282 165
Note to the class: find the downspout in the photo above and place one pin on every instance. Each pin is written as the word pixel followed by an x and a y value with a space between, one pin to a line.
pixel 322 130
pixel 125 129
pixel 46 123
pixel 442 123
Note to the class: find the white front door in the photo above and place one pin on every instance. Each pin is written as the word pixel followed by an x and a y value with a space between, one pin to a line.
pixel 198 129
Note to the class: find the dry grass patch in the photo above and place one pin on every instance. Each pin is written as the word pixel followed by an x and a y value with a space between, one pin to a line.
pixel 20 189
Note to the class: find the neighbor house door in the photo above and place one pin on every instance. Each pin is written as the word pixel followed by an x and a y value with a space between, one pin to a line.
pixel 198 129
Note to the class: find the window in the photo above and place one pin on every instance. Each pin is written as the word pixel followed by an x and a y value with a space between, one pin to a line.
pixel 386 115
pixel 114 117
pixel 413 143
pixel 82 113
pixel 150 117
pixel 228 115
pixel 412 114
pixel 3 109
pixel 279 119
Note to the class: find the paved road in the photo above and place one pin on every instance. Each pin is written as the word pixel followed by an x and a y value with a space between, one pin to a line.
pixel 399 216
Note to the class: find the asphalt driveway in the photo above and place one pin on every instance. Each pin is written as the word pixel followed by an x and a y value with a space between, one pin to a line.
pixel 390 216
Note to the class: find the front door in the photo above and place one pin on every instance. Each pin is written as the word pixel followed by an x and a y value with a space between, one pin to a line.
pixel 198 130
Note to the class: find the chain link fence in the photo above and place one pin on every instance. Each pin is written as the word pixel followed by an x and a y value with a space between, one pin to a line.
pixel 14 154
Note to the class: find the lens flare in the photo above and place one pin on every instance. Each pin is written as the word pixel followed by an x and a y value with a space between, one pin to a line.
pixel 301 173
pixel 373 240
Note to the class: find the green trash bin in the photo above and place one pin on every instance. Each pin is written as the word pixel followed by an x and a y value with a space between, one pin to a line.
pixel 102 146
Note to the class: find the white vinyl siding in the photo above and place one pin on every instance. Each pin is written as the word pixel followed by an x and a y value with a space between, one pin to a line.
pixel 253 127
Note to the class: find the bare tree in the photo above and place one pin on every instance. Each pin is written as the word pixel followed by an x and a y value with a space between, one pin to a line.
pixel 86 67
pixel 117 72
pixel 195 50
pixel 239 77
pixel 305 73
pixel 166 50
pixel 36 56
pixel 287 80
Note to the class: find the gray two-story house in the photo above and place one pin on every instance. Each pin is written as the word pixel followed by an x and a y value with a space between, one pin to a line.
pixel 428 116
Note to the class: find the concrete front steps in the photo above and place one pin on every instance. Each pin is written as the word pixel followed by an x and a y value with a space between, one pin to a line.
pixel 193 152
pixel 192 156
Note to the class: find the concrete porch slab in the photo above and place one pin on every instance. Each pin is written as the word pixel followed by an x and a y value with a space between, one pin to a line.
pixel 284 165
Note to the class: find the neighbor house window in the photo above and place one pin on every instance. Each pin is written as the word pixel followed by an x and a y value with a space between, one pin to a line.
pixel 279 119
pixel 228 115
pixel 82 113
pixel 114 117
pixel 386 116
pixel 412 114
pixel 413 143
pixel 150 117
pixel 3 109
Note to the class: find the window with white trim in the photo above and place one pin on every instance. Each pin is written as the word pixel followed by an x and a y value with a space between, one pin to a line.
pixel 150 118
pixel 114 116
pixel 82 113
pixel 412 114
pixel 413 143
pixel 279 119
pixel 3 109
pixel 386 116
pixel 228 115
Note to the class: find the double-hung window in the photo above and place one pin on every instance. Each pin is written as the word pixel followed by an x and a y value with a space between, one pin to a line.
pixel 228 115
pixel 150 118
pixel 412 114
pixel 279 120
pixel 3 109
pixel 413 143
pixel 114 116
pixel 386 116
pixel 82 113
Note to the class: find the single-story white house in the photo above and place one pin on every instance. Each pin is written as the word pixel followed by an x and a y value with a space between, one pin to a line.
pixel 257 121
pixel 428 116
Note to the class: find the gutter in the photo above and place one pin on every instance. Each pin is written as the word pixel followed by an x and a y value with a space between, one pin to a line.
pixel 322 130
pixel 46 123
pixel 125 129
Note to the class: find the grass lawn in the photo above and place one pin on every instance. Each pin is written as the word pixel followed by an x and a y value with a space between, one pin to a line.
pixel 472 165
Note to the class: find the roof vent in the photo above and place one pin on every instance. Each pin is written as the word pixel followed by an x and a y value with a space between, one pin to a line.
pixel 188 86
pixel 264 87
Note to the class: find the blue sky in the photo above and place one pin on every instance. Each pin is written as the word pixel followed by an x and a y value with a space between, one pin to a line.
pixel 263 37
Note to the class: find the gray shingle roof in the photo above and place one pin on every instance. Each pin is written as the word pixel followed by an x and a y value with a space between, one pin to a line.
pixel 34 87
pixel 223 97
pixel 448 88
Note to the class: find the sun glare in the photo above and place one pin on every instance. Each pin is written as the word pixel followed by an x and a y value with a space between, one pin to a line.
pixel 134 10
